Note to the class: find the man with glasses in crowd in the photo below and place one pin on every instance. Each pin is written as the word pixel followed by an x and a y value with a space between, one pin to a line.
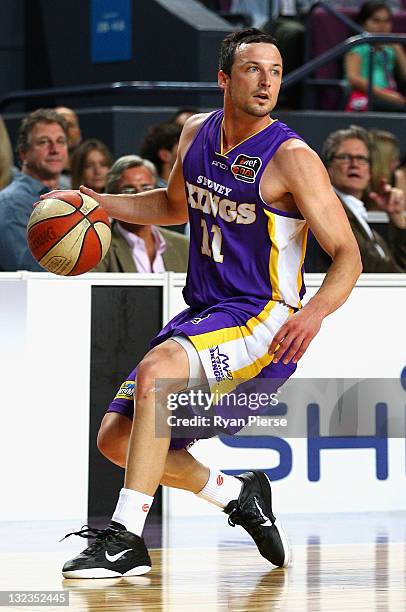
pixel 140 248
pixel 347 155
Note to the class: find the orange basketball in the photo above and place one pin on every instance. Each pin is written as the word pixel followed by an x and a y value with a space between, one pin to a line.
pixel 68 233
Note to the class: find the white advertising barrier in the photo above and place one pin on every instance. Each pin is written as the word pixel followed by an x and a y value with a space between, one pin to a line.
pixel 366 339
pixel 45 329
pixel 45 324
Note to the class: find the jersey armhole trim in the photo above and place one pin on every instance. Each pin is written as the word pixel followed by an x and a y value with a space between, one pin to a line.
pixel 196 135
pixel 278 211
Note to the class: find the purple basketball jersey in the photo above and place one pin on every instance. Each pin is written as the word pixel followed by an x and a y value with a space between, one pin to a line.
pixel 240 245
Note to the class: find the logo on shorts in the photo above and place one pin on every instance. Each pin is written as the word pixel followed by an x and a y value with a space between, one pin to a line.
pixel 220 480
pixel 245 168
pixel 126 390
pixel 145 507
pixel 220 365
pixel 198 320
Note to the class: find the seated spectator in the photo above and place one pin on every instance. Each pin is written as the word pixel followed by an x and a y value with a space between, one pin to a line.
pixel 6 157
pixel 140 248
pixel 376 17
pixel 396 5
pixel 183 114
pixel 257 11
pixel 90 164
pixel 400 174
pixel 347 155
pixel 42 148
pixel 160 146
pixel 385 162
pixel 74 138
pixel 287 27
pixel 73 127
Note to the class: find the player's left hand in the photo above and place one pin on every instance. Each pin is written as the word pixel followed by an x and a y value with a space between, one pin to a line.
pixel 294 337
pixel 390 199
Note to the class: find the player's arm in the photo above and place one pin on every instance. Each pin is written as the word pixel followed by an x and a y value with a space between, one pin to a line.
pixel 307 180
pixel 159 206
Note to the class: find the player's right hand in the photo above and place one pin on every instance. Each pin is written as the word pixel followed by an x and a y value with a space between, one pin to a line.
pixel 55 192
pixel 92 194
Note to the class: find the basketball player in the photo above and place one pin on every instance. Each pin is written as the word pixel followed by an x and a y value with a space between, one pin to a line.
pixel 252 188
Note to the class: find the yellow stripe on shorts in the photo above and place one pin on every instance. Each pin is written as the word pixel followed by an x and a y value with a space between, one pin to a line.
pixel 227 334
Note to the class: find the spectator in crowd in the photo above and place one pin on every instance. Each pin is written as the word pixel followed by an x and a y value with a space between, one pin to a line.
pixel 400 174
pixel 286 25
pixel 160 146
pixel 90 164
pixel 140 248
pixel 182 114
pixel 347 154
pixel 73 127
pixel 376 17
pixel 42 149
pixel 385 162
pixel 74 139
pixel 257 11
pixel 396 5
pixel 6 157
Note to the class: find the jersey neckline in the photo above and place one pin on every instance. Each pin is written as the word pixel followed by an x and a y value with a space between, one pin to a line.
pixel 225 154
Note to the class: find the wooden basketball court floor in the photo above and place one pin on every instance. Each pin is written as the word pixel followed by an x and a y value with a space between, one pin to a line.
pixel 341 562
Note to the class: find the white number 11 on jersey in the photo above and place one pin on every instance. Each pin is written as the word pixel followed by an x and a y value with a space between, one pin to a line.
pixel 215 250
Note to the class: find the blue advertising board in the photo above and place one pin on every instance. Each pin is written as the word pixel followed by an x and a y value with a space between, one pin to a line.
pixel 111 30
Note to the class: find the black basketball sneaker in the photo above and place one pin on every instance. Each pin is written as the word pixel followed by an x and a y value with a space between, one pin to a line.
pixel 253 511
pixel 114 553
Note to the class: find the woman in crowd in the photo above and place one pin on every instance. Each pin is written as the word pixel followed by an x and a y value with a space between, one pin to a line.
pixel 385 157
pixel 90 164
pixel 376 18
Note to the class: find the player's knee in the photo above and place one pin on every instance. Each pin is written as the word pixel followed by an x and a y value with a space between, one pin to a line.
pixel 147 374
pixel 155 374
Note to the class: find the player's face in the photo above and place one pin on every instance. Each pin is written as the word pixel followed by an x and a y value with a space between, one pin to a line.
pixel 48 151
pixel 95 170
pixel 350 167
pixel 255 80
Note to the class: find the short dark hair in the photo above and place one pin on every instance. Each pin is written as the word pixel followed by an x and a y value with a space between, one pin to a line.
pixel 41 115
pixel 231 43
pixel 162 136
pixel 369 8
pixel 184 109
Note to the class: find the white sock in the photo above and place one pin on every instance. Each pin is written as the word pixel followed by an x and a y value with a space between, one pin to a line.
pixel 132 510
pixel 220 489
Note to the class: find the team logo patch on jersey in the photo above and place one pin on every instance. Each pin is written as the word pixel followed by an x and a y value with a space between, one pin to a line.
pixel 126 390
pixel 245 168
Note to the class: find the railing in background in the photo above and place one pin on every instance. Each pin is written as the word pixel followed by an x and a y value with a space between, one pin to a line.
pixel 195 87
pixel 311 83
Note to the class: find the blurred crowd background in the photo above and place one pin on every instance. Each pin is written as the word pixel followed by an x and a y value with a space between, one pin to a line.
pixel 86 98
